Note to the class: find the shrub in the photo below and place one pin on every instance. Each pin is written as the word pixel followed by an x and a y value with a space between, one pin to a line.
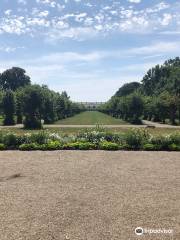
pixel 28 147
pixel 175 138
pixel 71 146
pixel 91 136
pixel 2 147
pixel 10 140
pixel 98 135
pixel 86 146
pixel 124 147
pixel 79 146
pixel 32 123
pixel 161 142
pixel 108 146
pixel 135 138
pixel 40 137
pixel 53 145
pixel 174 147
pixel 149 147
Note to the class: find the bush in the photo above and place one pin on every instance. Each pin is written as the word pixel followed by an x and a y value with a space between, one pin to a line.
pixel 149 147
pixel 32 123
pixel 40 137
pixel 135 138
pixel 124 147
pixel 86 146
pixel 2 147
pixel 174 147
pixel 91 136
pixel 10 140
pixel 175 138
pixel 29 147
pixel 161 142
pixel 108 146
pixel 79 146
pixel 53 145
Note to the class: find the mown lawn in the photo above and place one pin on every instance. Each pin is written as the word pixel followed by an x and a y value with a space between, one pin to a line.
pixel 70 130
pixel 91 118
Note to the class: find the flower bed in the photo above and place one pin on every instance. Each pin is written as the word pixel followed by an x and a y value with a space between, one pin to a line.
pixel 94 139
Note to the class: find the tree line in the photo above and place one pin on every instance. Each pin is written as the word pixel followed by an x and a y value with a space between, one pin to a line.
pixel 27 103
pixel 155 98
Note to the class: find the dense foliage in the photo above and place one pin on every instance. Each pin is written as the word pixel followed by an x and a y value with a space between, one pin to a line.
pixel 92 139
pixel 156 98
pixel 8 105
pixel 32 104
pixel 13 78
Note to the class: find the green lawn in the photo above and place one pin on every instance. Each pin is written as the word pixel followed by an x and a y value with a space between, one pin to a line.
pixel 66 130
pixel 91 118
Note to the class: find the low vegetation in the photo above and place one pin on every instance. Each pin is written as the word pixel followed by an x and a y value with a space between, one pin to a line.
pixel 92 139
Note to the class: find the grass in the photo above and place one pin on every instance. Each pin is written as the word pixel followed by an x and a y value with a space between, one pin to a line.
pixel 91 118
pixel 154 131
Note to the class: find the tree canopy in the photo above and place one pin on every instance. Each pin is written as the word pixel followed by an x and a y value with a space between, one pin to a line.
pixel 14 78
pixel 156 98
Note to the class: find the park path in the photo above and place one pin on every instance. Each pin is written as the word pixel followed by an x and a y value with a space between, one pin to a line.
pixel 159 125
pixel 145 124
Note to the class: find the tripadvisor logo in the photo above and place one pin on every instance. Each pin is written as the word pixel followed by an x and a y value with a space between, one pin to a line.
pixel 139 231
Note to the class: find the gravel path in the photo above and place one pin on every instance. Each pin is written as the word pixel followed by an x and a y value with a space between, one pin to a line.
pixel 88 195
pixel 159 125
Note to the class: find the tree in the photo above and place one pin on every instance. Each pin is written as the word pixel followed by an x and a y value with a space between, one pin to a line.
pixel 8 105
pixel 49 107
pixel 19 105
pixel 14 78
pixel 135 108
pixel 127 89
pixel 33 103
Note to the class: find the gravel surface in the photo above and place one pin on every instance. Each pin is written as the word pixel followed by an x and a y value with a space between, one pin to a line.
pixel 88 195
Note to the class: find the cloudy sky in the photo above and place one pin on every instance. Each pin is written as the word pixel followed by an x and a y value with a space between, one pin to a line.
pixel 88 47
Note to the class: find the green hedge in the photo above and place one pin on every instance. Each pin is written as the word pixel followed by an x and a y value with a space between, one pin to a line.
pixel 134 139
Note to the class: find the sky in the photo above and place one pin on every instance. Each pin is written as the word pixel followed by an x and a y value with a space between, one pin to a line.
pixel 89 48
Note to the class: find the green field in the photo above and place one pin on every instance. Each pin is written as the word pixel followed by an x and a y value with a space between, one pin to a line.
pixel 71 130
pixel 91 118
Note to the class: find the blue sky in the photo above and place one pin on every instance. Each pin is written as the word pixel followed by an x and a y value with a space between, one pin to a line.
pixel 89 48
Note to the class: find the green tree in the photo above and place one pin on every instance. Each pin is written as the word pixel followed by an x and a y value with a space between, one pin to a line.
pixel 127 89
pixel 19 105
pixel 33 104
pixel 135 108
pixel 14 78
pixel 49 106
pixel 8 105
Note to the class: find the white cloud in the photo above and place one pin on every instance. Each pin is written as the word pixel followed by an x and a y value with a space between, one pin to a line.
pixel 134 1
pixel 24 2
pixel 9 49
pixel 8 12
pixel 78 33
pixel 61 22
pixel 167 18
pixel 50 3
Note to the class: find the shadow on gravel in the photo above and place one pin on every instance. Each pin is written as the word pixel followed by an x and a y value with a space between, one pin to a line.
pixel 11 177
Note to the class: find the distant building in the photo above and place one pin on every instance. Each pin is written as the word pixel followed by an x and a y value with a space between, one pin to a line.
pixel 91 105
